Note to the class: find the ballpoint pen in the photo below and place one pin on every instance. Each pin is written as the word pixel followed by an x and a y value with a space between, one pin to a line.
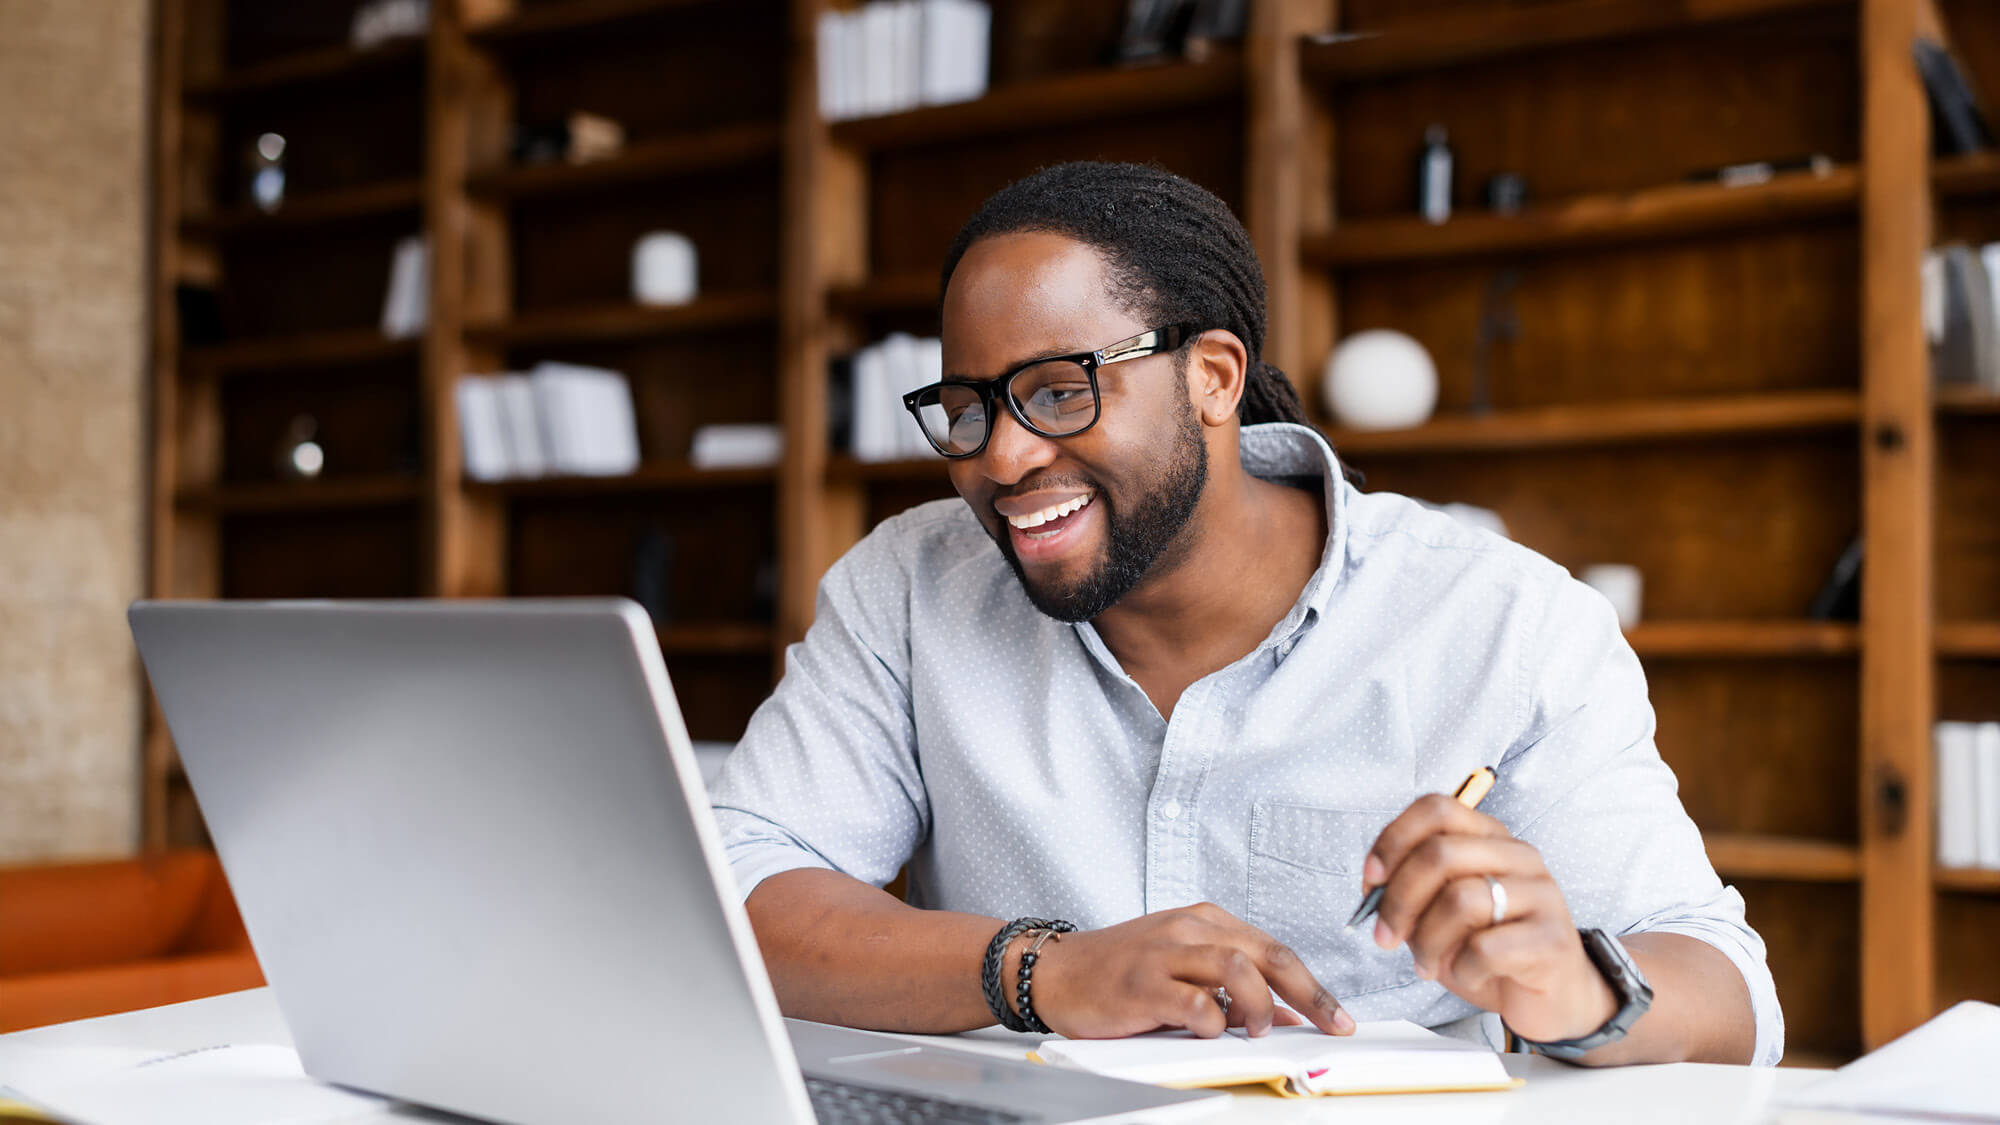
pixel 1470 792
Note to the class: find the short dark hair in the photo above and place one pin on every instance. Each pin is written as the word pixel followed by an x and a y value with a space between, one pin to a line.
pixel 1176 254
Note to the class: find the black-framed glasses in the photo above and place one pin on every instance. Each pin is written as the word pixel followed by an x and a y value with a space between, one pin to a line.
pixel 1055 397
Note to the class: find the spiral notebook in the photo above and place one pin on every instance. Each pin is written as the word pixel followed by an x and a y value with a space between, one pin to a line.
pixel 1381 1057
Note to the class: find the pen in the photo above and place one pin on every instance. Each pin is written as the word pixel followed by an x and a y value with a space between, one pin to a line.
pixel 1470 792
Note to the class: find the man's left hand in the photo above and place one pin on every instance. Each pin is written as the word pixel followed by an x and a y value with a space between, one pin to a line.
pixel 1529 965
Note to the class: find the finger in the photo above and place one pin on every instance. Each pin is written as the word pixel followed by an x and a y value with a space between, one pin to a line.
pixel 1430 815
pixel 1285 1017
pixel 1180 1004
pixel 1440 860
pixel 1250 1004
pixel 1288 976
pixel 1462 907
pixel 1505 952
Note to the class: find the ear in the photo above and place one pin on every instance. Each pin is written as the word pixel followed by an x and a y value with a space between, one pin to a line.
pixel 1218 370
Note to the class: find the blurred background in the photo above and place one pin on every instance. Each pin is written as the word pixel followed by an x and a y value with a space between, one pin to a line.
pixel 381 298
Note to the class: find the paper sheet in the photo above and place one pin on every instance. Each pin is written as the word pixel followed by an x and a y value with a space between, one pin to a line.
pixel 257 1084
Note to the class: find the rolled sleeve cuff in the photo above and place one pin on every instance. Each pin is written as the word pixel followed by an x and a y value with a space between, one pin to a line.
pixel 1756 978
pixel 757 849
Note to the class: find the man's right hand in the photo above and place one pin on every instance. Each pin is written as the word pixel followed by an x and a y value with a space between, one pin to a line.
pixel 1162 970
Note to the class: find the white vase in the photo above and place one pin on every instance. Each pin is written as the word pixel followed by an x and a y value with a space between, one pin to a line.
pixel 1380 380
pixel 663 269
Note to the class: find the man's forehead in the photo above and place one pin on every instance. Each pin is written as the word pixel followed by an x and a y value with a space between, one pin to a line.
pixel 1019 295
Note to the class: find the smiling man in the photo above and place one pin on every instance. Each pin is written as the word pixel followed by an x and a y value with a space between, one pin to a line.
pixel 1142 761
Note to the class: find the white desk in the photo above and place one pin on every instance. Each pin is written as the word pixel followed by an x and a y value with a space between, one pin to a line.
pixel 1683 1092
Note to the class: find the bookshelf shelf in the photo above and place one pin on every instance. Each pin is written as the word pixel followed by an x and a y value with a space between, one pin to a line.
pixel 719 638
pixel 1589 221
pixel 662 476
pixel 282 354
pixel 1969 639
pixel 604 323
pixel 1974 174
pixel 331 63
pixel 1611 423
pixel 1967 400
pixel 383 491
pixel 371 201
pixel 1095 95
pixel 847 470
pixel 1735 639
pixel 1984 880
pixel 905 292
pixel 1438 43
pixel 545 21
pixel 1743 856
pixel 733 147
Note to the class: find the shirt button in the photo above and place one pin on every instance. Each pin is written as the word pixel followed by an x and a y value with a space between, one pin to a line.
pixel 1171 810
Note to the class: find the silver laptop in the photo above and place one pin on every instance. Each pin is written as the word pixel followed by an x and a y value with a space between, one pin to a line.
pixel 476 859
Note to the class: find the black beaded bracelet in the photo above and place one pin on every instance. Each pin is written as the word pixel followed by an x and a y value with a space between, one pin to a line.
pixel 1026 975
pixel 989 972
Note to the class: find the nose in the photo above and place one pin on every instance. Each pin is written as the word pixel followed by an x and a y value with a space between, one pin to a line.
pixel 1013 451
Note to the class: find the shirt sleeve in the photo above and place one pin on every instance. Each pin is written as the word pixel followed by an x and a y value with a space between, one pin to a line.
pixel 826 774
pixel 1586 785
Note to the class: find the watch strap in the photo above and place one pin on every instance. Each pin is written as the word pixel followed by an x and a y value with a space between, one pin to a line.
pixel 1628 986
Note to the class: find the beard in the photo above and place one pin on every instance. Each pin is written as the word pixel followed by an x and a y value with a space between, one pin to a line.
pixel 1135 539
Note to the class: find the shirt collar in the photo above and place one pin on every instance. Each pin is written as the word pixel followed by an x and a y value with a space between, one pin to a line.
pixel 1285 449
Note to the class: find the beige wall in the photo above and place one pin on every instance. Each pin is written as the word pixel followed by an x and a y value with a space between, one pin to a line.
pixel 72 308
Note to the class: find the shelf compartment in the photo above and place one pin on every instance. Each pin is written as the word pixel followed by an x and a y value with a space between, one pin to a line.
pixel 892 293
pixel 1975 879
pixel 1745 856
pixel 387 490
pixel 1735 639
pixel 1611 423
pixel 277 354
pixel 1967 400
pixel 844 469
pixel 1439 43
pixel 660 476
pixel 1096 95
pixel 371 201
pixel 731 147
pixel 622 322
pixel 548 20
pixel 1620 218
pixel 1973 639
pixel 1973 174
pixel 716 638
pixel 329 63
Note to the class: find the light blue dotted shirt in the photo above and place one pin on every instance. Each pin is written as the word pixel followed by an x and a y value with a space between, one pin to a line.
pixel 933 717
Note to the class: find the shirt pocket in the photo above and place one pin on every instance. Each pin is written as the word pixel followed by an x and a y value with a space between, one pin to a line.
pixel 1305 882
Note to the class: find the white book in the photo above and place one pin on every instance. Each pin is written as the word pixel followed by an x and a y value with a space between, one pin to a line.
pixel 1986 754
pixel 737 446
pixel 830 59
pixel 406 306
pixel 878 58
pixel 909 54
pixel 521 427
pixel 975 40
pixel 587 413
pixel 854 66
pixel 899 351
pixel 1931 296
pixel 1957 807
pixel 480 441
pixel 1989 257
pixel 872 441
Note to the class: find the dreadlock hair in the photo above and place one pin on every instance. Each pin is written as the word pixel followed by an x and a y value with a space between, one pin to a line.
pixel 1176 256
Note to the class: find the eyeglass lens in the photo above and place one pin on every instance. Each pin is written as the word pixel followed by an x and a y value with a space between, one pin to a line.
pixel 1055 397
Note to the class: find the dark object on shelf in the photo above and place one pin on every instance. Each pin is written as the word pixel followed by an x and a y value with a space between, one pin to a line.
pixel 1840 598
pixel 199 308
pixel 1763 171
pixel 300 455
pixel 1434 173
pixel 1158 30
pixel 579 138
pixel 652 571
pixel 1506 192
pixel 1957 124
pixel 840 404
pixel 1497 321
pixel 764 591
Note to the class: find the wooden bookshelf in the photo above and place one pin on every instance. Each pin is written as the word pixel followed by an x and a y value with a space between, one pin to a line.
pixel 1721 385
pixel 1981 880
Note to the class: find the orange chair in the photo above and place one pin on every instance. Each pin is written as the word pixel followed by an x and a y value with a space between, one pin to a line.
pixel 88 939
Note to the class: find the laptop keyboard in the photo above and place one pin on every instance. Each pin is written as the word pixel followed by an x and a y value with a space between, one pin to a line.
pixel 843 1103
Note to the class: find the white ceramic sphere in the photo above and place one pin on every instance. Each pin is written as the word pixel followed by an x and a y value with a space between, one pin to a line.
pixel 663 269
pixel 1380 379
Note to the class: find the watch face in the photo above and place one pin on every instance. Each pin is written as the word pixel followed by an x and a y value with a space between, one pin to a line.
pixel 1619 969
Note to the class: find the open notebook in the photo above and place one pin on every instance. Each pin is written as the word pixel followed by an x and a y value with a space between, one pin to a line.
pixel 1381 1057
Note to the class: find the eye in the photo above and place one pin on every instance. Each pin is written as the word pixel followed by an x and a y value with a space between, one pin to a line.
pixel 1062 398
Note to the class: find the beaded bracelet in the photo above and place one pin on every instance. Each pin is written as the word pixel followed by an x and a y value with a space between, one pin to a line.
pixel 989 971
pixel 1026 975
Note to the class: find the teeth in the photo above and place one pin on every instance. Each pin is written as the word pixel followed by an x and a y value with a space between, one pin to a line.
pixel 1037 519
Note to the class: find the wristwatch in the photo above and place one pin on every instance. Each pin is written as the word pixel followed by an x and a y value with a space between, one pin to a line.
pixel 1627 983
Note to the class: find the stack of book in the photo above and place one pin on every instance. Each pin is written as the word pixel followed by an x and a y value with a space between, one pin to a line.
pixel 893 55
pixel 1961 304
pixel 559 419
pixel 1968 789
pixel 872 383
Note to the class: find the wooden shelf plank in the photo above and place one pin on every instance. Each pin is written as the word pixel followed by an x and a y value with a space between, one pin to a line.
pixel 370 201
pixel 904 292
pixel 1742 856
pixel 304 496
pixel 1966 400
pixel 1974 639
pixel 1974 174
pixel 334 62
pixel 279 354
pixel 589 323
pixel 712 638
pixel 730 147
pixel 1437 43
pixel 1654 213
pixel 1728 639
pixel 1609 423
pixel 548 20
pixel 1978 879
pixel 848 470
pixel 1096 95
pixel 658 476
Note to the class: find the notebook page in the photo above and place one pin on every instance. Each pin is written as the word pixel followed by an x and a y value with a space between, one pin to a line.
pixel 1415 1057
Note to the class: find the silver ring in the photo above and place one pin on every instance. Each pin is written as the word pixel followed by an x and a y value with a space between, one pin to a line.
pixel 1222 999
pixel 1499 899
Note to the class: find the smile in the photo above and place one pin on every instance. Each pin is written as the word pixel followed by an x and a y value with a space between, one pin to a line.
pixel 1049 515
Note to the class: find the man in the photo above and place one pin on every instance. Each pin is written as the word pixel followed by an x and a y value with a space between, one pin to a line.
pixel 1202 695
